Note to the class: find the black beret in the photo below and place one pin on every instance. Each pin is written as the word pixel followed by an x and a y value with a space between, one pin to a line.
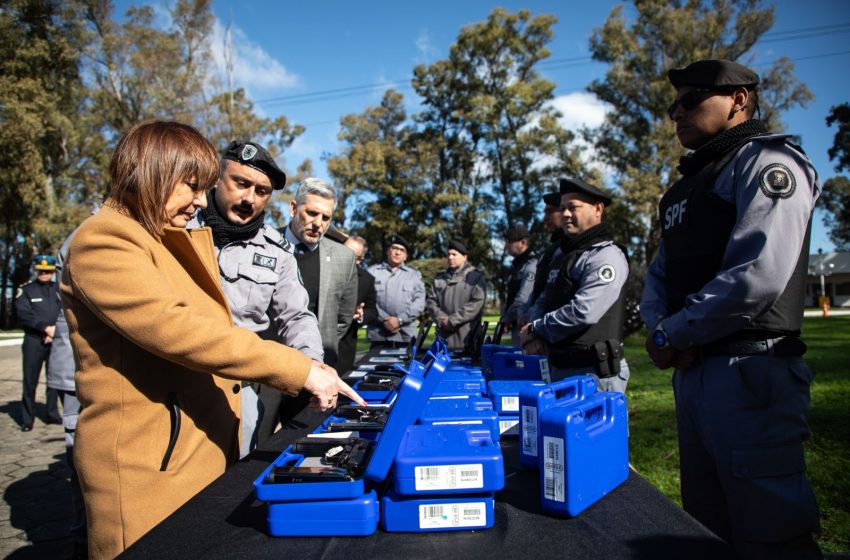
pixel 517 233
pixel 396 239
pixel 577 186
pixel 458 246
pixel 710 74
pixel 552 199
pixel 254 155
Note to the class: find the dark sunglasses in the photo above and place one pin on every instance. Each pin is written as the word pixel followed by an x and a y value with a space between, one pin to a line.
pixel 691 100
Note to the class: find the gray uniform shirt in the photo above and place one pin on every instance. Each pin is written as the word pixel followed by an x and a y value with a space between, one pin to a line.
pixel 260 278
pixel 760 256
pixel 598 290
pixel 399 293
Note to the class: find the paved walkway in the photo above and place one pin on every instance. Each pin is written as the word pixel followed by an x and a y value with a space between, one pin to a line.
pixel 35 512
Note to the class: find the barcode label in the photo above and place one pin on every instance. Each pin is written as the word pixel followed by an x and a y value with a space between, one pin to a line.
pixel 509 427
pixel 449 477
pixel 553 469
pixel 529 430
pixel 544 371
pixel 510 404
pixel 472 514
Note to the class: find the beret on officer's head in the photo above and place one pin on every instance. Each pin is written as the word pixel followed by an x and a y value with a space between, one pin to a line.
pixel 254 155
pixel 44 262
pixel 396 239
pixel 711 74
pixel 517 233
pixel 578 186
pixel 552 199
pixel 458 246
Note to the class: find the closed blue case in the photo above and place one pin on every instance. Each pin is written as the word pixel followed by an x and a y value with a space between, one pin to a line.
pixel 428 514
pixel 534 400
pixel 519 367
pixel 505 395
pixel 584 454
pixel 470 411
pixel 355 517
pixel 447 459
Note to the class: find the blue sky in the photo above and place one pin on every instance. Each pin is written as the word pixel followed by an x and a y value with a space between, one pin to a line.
pixel 307 59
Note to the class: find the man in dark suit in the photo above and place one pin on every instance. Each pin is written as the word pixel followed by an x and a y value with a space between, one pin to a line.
pixel 367 309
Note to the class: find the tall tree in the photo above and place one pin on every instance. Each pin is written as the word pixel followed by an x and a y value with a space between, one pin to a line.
pixel 836 191
pixel 383 174
pixel 41 96
pixel 637 139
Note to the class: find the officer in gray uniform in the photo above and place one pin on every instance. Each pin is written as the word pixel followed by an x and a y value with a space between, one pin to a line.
pixel 521 280
pixel 723 303
pixel 578 319
pixel 258 271
pixel 456 298
pixel 400 297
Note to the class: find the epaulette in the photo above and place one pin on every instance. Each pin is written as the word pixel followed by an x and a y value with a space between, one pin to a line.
pixel 277 239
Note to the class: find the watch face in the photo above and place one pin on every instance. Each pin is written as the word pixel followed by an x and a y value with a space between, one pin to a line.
pixel 660 339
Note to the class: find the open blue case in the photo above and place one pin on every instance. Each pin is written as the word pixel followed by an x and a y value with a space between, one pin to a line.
pixel 377 456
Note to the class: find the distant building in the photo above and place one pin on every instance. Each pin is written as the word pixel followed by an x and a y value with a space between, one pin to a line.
pixel 835 268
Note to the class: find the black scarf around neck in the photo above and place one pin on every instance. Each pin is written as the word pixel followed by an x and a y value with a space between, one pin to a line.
pixel 589 237
pixel 223 231
pixel 721 144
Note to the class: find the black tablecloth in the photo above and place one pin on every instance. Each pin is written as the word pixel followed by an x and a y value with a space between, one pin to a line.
pixel 634 521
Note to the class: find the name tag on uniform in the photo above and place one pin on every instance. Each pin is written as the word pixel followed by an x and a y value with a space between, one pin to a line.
pixel 264 261
pixel 36 299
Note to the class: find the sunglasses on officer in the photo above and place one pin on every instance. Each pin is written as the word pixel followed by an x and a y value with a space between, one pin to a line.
pixel 692 99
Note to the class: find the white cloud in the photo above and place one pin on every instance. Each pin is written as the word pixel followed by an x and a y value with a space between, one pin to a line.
pixel 427 51
pixel 253 67
pixel 580 109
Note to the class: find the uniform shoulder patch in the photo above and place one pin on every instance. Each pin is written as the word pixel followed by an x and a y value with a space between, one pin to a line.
pixel 777 181
pixel 607 273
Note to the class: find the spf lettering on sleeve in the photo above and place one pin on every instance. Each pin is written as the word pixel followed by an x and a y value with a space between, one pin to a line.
pixel 777 181
pixel 675 214
pixel 264 261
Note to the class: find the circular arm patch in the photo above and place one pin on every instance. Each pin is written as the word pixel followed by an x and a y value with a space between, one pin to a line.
pixel 607 273
pixel 777 181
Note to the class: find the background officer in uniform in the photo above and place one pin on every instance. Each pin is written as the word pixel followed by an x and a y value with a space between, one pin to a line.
pixel 456 299
pixel 723 302
pixel 37 305
pixel 367 309
pixel 521 279
pixel 578 319
pixel 258 271
pixel 552 221
pixel 400 297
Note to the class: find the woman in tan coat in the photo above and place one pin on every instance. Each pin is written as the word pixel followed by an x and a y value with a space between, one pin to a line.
pixel 159 363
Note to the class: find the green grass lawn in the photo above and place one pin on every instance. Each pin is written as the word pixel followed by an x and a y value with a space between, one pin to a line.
pixel 652 423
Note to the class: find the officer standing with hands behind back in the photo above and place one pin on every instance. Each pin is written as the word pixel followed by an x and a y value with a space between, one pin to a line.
pixel 37 305
pixel 723 303
pixel 400 297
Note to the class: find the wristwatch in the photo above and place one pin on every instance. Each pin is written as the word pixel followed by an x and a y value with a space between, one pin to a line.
pixel 531 328
pixel 660 338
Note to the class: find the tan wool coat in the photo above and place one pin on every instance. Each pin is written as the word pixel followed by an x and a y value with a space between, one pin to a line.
pixel 158 370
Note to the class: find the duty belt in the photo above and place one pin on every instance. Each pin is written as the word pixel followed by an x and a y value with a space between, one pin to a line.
pixel 784 347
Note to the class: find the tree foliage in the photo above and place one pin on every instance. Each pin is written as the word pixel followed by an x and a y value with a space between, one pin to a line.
pixel 835 198
pixel 637 139
pixel 41 136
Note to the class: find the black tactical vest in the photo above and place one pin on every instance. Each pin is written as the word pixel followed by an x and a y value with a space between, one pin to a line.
pixel 696 225
pixel 561 288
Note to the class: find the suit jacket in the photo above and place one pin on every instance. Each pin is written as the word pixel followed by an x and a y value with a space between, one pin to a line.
pixel 159 365
pixel 337 295
pixel 365 295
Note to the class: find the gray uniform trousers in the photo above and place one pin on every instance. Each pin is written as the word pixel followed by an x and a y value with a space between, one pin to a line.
pixel 614 383
pixel 742 422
